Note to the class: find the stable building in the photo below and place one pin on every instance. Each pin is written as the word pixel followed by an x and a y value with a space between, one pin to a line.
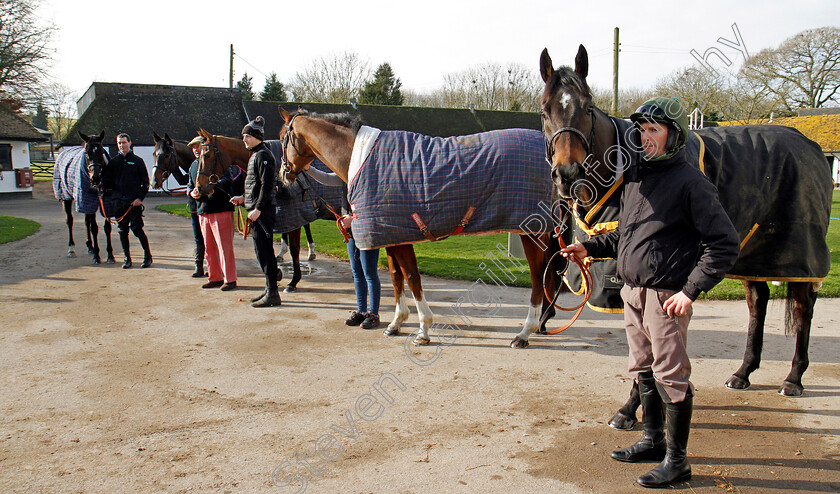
pixel 16 134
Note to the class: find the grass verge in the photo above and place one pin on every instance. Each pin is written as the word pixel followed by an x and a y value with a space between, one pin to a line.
pixel 12 228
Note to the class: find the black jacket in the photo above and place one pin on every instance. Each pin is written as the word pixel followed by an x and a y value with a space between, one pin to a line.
pixel 259 183
pixel 127 177
pixel 672 231
pixel 231 183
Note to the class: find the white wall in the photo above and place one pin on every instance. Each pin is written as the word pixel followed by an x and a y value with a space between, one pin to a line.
pixel 835 171
pixel 20 159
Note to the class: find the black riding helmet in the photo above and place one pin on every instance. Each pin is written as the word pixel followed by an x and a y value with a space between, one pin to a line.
pixel 667 111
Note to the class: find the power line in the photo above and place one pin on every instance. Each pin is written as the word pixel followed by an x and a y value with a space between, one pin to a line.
pixel 250 65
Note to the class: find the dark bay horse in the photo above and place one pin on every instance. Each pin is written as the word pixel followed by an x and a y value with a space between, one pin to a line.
pixel 218 153
pixel 77 178
pixel 172 158
pixel 331 139
pixel 773 182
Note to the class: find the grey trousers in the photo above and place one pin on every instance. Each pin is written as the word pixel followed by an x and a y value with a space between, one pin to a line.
pixel 658 342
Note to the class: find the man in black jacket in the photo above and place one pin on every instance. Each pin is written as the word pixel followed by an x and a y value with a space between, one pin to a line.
pixel 673 241
pixel 128 178
pixel 260 202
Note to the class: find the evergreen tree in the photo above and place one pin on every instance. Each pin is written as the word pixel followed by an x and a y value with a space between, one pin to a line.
pixel 273 90
pixel 247 86
pixel 384 89
pixel 40 118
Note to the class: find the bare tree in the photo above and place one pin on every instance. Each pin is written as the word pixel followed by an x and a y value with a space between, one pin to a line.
pixel 333 79
pixel 493 87
pixel 24 48
pixel 61 103
pixel 803 72
pixel 628 99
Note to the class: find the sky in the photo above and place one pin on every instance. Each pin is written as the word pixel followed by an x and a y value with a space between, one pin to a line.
pixel 188 43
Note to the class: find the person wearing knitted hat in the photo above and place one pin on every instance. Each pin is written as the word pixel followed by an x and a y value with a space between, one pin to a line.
pixel 260 202
pixel 674 240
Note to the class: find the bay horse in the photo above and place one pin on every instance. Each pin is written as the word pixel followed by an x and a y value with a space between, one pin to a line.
pixel 776 189
pixel 218 153
pixel 331 139
pixel 77 178
pixel 172 158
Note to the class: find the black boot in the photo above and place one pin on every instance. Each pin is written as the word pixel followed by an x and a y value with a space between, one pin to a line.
pixel 270 299
pixel 261 295
pixel 675 467
pixel 147 253
pixel 199 266
pixel 126 250
pixel 651 447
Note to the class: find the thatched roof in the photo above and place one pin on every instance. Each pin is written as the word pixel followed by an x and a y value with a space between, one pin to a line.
pixel 441 122
pixel 14 128
pixel 140 109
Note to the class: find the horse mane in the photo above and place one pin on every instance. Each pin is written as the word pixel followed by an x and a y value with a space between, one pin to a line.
pixel 565 76
pixel 348 120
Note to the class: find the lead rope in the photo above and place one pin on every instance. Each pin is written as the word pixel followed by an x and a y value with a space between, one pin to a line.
pixel 586 281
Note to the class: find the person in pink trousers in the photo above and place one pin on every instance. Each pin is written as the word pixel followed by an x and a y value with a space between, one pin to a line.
pixel 215 217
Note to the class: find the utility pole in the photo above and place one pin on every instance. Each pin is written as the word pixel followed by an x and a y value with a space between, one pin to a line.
pixel 614 106
pixel 231 65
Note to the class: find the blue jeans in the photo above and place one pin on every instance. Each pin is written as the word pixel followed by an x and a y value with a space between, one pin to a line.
pixel 199 238
pixel 365 277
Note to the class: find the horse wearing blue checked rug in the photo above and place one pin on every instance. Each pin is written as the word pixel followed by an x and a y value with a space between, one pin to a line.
pixel 406 188
pixel 76 178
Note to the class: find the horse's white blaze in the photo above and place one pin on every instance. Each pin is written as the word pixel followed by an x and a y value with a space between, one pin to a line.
pixel 532 322
pixel 426 316
pixel 400 313
pixel 565 100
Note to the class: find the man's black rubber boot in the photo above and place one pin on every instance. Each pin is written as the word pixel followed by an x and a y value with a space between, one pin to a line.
pixel 675 467
pixel 652 446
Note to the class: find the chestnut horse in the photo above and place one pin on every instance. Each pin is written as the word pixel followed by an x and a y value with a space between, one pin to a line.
pixel 582 142
pixel 331 138
pixel 172 158
pixel 218 153
pixel 77 177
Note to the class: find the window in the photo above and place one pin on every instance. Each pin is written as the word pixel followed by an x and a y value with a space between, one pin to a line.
pixel 5 156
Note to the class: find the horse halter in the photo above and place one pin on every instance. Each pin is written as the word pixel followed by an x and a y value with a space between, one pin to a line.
pixel 549 142
pixel 213 177
pixel 91 163
pixel 167 171
pixel 287 139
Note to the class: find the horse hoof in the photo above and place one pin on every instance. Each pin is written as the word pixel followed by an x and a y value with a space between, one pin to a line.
pixel 736 382
pixel 290 289
pixel 791 390
pixel 542 330
pixel 420 340
pixel 96 260
pixel 519 343
pixel 389 331
pixel 622 422
pixel 111 260
pixel 71 254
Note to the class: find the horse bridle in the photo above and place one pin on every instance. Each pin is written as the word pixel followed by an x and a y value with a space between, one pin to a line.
pixel 212 176
pixel 287 139
pixel 90 163
pixel 549 142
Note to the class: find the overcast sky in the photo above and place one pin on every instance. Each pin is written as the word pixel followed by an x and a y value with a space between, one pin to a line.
pixel 188 43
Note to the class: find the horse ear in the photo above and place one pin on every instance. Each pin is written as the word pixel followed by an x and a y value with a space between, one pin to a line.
pixel 102 135
pixel 156 137
pixel 286 115
pixel 84 137
pixel 582 62
pixel 546 68
pixel 167 138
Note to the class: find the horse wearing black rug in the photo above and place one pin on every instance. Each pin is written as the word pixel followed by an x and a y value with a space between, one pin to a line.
pixel 76 178
pixel 774 183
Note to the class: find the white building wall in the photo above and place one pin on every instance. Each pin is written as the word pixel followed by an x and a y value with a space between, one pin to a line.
pixel 20 159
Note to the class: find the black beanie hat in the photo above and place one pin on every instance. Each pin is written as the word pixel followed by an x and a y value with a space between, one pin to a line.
pixel 255 127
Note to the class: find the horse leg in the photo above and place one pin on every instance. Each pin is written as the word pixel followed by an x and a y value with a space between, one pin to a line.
pixel 757 294
pixel 68 219
pixel 537 253
pixel 310 243
pixel 398 280
pixel 109 249
pixel 284 247
pixel 408 264
pixel 799 311
pixel 93 233
pixel 294 250
pixel 625 418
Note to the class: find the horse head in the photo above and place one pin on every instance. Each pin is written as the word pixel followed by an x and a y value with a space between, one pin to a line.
pixel 96 157
pixel 218 153
pixel 166 161
pixel 568 117
pixel 296 154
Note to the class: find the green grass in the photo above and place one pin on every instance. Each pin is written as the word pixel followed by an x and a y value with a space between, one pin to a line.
pixel 12 228
pixel 462 257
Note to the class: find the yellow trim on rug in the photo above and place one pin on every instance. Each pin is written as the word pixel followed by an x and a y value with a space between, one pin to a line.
pixel 749 235
pixel 598 228
pixel 702 155
pixel 608 194
pixel 771 278
pixel 605 310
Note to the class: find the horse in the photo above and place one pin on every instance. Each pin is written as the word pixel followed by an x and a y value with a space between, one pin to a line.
pixel 77 177
pixel 172 158
pixel 776 190
pixel 218 153
pixel 332 138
